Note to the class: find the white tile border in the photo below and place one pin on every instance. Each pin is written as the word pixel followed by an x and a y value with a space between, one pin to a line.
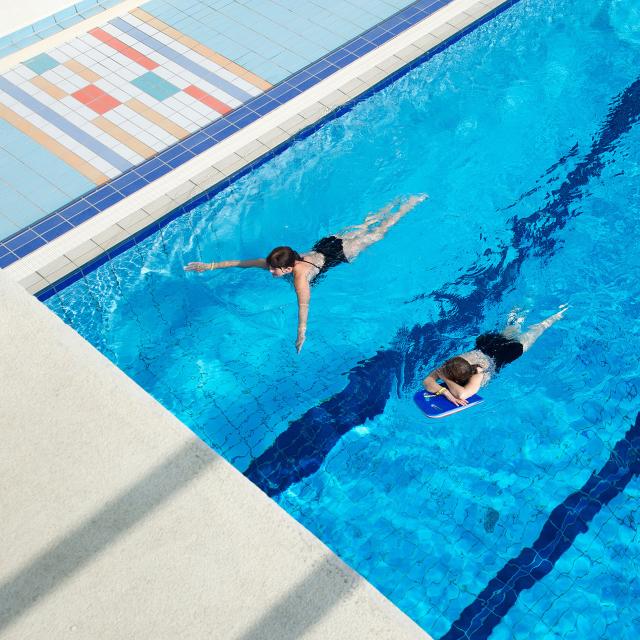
pixel 42 267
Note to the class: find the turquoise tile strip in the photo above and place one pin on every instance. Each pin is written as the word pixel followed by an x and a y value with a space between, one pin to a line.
pixel 41 63
pixel 155 86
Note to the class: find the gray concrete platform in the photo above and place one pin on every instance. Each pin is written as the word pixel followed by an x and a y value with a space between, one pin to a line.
pixel 117 522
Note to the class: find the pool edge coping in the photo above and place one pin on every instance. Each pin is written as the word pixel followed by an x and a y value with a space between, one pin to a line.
pixel 62 260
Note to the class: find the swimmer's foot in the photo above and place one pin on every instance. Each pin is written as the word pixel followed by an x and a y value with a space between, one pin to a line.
pixel 536 330
pixel 404 208
pixel 417 199
pixel 556 316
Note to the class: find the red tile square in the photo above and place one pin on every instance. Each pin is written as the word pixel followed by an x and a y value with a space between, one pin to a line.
pixel 96 99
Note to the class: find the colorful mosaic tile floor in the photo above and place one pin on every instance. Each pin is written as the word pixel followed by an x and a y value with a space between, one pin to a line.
pixel 79 114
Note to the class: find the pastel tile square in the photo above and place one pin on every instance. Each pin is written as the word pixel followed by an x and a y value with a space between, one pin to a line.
pixel 155 86
pixel 41 63
pixel 96 99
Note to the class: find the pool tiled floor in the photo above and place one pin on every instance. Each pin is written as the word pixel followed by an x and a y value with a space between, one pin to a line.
pixel 78 114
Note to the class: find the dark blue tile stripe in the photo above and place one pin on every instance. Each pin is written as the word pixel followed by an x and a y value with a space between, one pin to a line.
pixel 570 518
pixel 300 450
pixel 129 182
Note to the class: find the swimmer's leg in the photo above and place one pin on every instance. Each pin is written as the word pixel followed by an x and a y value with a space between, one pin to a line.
pixel 356 241
pixel 535 331
pixel 371 220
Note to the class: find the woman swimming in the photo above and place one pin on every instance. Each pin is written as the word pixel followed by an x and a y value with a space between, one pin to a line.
pixel 463 375
pixel 326 253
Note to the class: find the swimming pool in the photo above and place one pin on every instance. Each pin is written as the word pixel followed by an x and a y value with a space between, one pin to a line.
pixel 487 523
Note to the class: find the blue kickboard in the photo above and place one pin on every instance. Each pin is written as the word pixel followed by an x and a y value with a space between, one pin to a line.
pixel 439 407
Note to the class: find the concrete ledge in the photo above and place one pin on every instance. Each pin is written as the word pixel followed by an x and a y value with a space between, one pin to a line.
pixel 43 267
pixel 117 522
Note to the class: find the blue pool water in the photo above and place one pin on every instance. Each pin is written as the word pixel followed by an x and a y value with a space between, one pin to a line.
pixel 517 518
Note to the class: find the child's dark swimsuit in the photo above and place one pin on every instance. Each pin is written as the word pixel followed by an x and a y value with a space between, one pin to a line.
pixel 500 348
pixel 331 248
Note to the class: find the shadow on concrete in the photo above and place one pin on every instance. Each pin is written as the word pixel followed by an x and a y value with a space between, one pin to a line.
pixel 304 604
pixel 58 563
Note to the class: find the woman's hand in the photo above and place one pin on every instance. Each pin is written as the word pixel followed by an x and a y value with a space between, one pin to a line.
pixel 300 340
pixel 459 402
pixel 200 266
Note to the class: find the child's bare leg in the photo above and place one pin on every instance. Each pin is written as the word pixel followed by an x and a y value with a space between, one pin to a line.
pixel 535 331
pixel 353 243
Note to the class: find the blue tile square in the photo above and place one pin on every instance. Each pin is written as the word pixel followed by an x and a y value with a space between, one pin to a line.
pixel 277 92
pixel 124 180
pixel 106 202
pixel 193 140
pixel 258 102
pixel 157 173
pixel 362 48
pixel 375 33
pixel 326 71
pixel 237 115
pixel 53 233
pixel 48 223
pixel 298 78
pixel 7 259
pixel 319 66
pixel 346 59
pixel 149 166
pixel 205 144
pixel 381 38
pixel 219 126
pixel 225 133
pixel 76 207
pixel 181 159
pixel 246 119
pixel 309 82
pixel 266 107
pixel 22 238
pixel 132 186
pixel 399 28
pixel 412 14
pixel 336 55
pixel 81 216
pixel 172 152
pixel 99 194
pixel 25 249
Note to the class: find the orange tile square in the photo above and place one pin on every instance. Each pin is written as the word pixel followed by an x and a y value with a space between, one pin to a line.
pixel 96 99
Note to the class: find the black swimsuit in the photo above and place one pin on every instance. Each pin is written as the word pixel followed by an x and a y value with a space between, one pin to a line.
pixel 499 347
pixel 331 248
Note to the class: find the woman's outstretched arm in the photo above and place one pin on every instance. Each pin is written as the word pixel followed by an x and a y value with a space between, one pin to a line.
pixel 303 292
pixel 199 267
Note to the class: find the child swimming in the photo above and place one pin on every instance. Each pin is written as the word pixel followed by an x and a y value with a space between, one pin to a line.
pixel 325 254
pixel 463 375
